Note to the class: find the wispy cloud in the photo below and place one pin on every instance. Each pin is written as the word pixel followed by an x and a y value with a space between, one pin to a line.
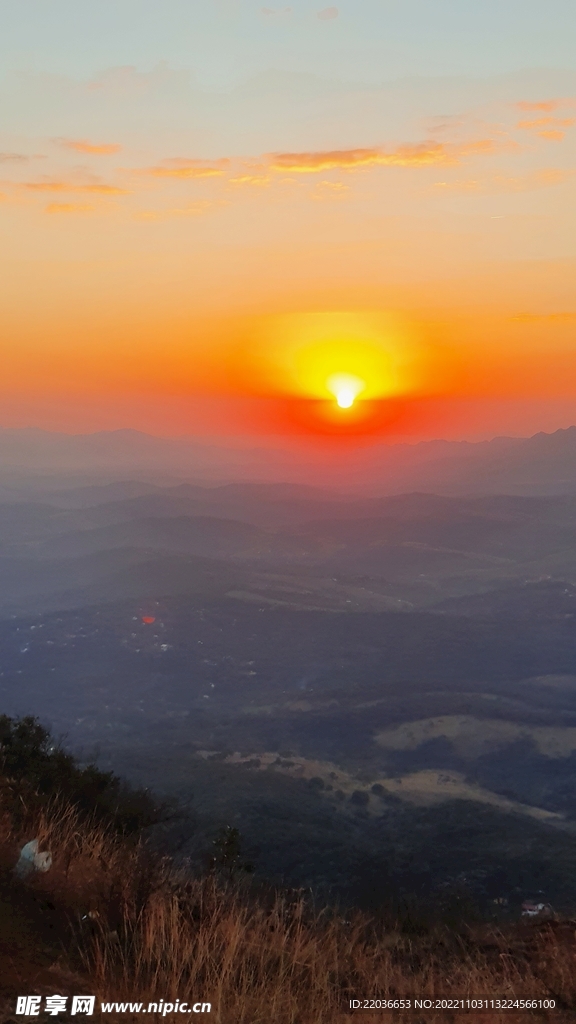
pixel 68 208
pixel 327 190
pixel 499 183
pixel 409 155
pixel 549 318
pixel 460 185
pixel 540 122
pixel 550 128
pixel 186 172
pixel 180 167
pixel 257 172
pixel 14 157
pixel 256 180
pixel 91 148
pixel 552 136
pixel 66 186
pixel 328 13
pixel 192 210
pixel 543 105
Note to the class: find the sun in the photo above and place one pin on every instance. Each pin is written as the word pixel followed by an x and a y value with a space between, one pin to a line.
pixel 345 387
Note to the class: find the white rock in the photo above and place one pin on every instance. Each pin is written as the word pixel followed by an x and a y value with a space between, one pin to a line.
pixel 31 860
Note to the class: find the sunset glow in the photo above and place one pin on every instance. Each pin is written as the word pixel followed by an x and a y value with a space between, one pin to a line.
pixel 202 241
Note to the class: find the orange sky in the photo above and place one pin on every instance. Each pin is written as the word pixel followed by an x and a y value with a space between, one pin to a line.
pixel 182 258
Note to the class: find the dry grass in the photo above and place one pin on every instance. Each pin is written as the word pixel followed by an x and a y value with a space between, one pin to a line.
pixel 284 963
pixel 145 932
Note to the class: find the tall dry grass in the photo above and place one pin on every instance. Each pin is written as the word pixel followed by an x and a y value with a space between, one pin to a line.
pixel 146 931
pixel 286 963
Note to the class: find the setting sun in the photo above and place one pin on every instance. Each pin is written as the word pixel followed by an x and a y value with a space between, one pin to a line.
pixel 345 387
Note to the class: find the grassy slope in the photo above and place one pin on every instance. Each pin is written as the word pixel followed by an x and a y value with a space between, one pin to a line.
pixel 256 954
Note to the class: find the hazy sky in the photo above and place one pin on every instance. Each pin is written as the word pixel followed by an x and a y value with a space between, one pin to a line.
pixel 193 190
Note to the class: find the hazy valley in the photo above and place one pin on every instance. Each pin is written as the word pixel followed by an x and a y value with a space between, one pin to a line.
pixel 379 692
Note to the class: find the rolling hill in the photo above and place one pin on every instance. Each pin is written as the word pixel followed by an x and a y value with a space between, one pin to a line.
pixel 542 464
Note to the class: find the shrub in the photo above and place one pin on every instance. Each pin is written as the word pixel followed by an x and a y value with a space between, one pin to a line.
pixel 316 783
pixel 226 858
pixel 38 768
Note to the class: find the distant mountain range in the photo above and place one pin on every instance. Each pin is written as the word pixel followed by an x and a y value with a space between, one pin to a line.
pixel 33 462
pixel 281 545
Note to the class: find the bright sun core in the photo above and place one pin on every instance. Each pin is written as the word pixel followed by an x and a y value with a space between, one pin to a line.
pixel 345 387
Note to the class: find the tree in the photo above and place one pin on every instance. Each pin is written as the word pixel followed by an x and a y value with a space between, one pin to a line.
pixel 227 852
pixel 36 766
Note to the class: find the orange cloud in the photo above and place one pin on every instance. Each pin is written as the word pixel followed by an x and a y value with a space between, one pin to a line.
pixel 553 136
pixel 552 176
pixel 68 208
pixel 185 172
pixel 409 155
pixel 499 183
pixel 550 318
pixel 546 105
pixel 330 190
pixel 93 148
pixel 194 210
pixel 65 186
pixel 548 127
pixel 250 179
pixel 541 122
pixel 179 167
pixel 460 185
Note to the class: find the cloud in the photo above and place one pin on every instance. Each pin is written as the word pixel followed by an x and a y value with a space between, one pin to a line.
pixel 549 318
pixel 460 185
pixel 93 148
pixel 548 127
pixel 544 105
pixel 409 155
pixel 349 159
pixel 193 210
pixel 185 172
pixel 15 157
pixel 541 179
pixel 66 186
pixel 180 167
pixel 326 190
pixel 444 123
pixel 257 180
pixel 540 122
pixel 68 208
pixel 328 13
pixel 500 184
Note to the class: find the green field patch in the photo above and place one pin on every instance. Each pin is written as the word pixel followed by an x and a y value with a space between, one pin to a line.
pixel 424 788
pixel 472 737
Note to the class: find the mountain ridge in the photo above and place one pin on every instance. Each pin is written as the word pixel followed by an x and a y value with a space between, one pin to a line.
pixel 540 464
